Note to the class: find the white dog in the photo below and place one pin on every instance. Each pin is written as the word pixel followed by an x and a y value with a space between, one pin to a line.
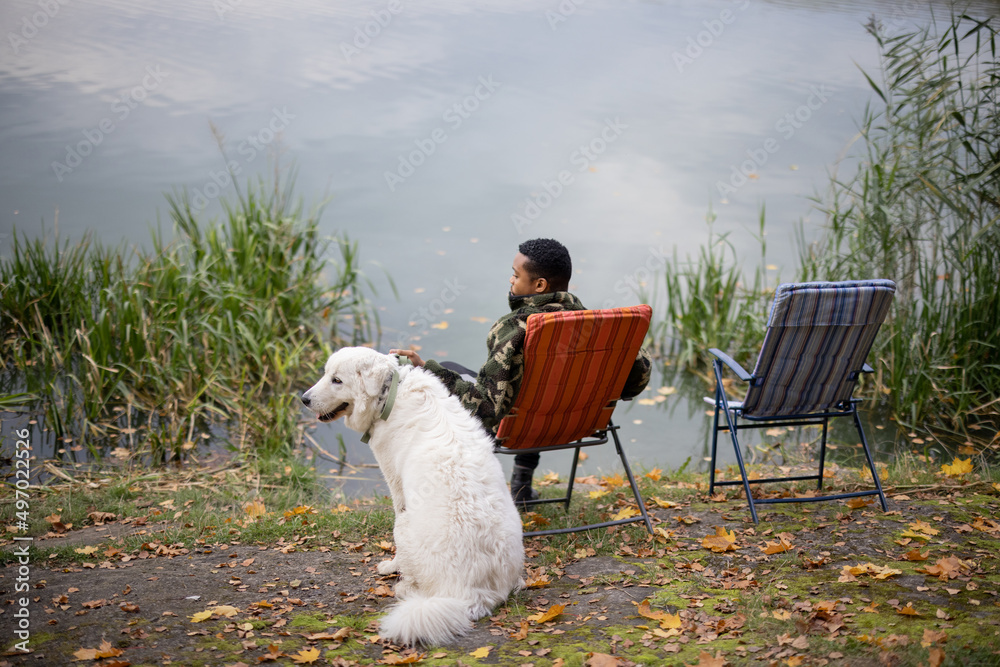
pixel 457 532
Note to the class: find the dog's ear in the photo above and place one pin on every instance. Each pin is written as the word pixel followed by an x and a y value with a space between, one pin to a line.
pixel 374 378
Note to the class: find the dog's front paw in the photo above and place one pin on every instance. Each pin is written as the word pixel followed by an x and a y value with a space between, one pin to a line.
pixel 387 567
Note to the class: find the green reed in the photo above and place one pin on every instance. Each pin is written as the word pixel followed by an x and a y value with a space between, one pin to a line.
pixel 922 208
pixel 709 303
pixel 217 326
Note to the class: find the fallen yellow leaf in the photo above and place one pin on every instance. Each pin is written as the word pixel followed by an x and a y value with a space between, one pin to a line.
pixel 105 650
pixel 722 541
pixel 225 610
pixel 915 535
pixel 543 617
pixel 932 637
pixel 614 480
pixel 667 620
pixel 481 652
pixel 924 527
pixel 957 467
pixel 86 551
pixel 626 513
pixel 440 325
pixel 705 659
pixel 396 659
pixel 301 509
pixel 537 579
pixel 599 493
pixel 654 474
pixel 201 616
pixel 254 509
pixel 779 546
pixel 305 656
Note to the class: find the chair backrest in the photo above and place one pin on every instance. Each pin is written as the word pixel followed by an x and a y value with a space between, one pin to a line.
pixel 818 336
pixel 576 363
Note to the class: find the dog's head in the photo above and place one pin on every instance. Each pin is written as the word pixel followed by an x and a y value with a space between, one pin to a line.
pixel 354 386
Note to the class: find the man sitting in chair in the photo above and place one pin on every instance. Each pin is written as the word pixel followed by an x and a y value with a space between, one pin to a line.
pixel 542 270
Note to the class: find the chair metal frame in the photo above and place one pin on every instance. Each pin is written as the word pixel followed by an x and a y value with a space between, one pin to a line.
pixel 734 412
pixel 598 437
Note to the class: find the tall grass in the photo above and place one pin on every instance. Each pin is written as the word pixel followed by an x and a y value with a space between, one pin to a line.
pixel 923 209
pixel 214 327
pixel 710 304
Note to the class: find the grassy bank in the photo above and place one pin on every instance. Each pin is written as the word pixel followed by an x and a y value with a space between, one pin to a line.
pixel 203 336
pixel 921 208
pixel 830 583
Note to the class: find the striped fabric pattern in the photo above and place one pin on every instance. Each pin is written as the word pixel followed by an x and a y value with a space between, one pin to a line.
pixel 575 366
pixel 818 336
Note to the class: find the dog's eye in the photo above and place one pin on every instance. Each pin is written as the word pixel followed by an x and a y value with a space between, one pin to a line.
pixel 335 380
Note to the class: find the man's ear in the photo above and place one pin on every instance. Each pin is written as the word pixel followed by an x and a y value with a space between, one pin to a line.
pixel 541 285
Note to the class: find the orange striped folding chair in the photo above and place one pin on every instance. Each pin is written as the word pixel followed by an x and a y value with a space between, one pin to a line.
pixel 575 367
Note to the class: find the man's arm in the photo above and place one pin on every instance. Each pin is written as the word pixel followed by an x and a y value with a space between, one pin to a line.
pixel 492 394
pixel 638 377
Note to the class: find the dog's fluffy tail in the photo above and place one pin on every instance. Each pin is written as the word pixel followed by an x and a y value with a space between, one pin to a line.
pixel 429 621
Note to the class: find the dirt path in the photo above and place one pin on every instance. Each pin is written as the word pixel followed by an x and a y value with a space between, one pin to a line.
pixel 317 600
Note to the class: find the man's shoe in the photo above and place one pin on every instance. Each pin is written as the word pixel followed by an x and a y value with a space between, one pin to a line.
pixel 520 486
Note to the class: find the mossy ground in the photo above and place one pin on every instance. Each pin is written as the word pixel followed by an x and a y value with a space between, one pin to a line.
pixel 303 579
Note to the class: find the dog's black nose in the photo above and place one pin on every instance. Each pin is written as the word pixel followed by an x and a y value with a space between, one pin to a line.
pixel 305 400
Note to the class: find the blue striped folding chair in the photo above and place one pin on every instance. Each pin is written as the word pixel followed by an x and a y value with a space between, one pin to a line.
pixel 818 336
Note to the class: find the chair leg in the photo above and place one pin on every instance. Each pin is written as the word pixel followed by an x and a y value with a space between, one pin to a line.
pixel 631 479
pixel 822 453
pixel 715 440
pixel 868 456
pixel 572 476
pixel 731 423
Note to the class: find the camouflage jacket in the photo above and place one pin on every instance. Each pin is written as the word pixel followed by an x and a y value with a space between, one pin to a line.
pixel 492 394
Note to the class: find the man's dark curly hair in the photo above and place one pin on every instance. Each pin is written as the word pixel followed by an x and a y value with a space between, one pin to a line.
pixel 549 259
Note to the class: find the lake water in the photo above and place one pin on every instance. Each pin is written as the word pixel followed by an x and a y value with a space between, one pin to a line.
pixel 445 133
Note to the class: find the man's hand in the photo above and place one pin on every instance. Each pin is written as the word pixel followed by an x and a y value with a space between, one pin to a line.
pixel 411 355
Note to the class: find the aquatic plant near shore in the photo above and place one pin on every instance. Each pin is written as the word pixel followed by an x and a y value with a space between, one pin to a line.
pixel 213 327
pixel 922 208
pixel 709 304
